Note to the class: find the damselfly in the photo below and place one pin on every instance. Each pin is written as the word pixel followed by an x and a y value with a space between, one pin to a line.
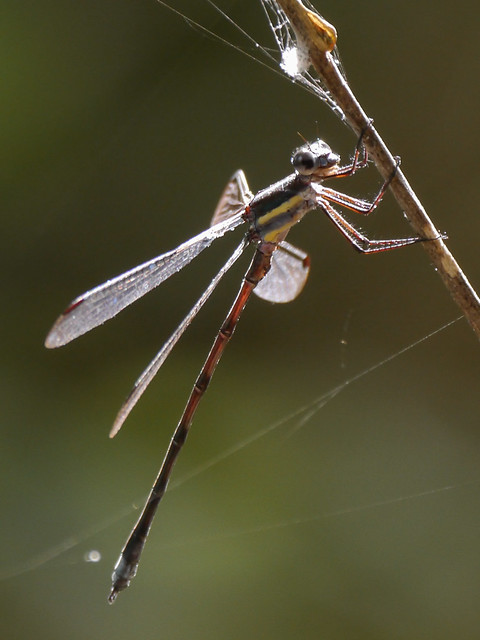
pixel 277 273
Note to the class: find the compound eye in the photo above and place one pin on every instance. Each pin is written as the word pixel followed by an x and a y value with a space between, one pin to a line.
pixel 304 161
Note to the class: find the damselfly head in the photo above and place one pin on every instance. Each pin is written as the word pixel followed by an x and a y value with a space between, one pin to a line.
pixel 314 157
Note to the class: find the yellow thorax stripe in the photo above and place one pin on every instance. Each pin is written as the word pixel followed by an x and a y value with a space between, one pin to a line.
pixel 291 203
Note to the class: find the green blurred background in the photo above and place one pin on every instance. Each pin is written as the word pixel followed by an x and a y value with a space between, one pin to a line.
pixel 119 126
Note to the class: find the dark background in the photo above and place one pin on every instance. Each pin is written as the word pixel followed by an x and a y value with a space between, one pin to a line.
pixel 119 127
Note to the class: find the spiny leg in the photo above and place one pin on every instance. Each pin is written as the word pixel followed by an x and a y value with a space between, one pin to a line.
pixel 359 241
pixel 355 204
pixel 356 163
pixel 127 564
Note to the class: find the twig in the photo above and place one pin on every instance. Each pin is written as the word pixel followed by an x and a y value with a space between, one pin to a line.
pixel 318 37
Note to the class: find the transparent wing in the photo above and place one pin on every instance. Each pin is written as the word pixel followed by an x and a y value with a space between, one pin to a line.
pixel 147 376
pixel 234 197
pixel 105 301
pixel 287 276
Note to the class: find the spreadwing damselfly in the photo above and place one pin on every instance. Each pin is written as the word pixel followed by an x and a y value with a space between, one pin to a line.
pixel 277 273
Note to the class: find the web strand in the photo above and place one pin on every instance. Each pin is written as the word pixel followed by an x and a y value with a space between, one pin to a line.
pixel 299 418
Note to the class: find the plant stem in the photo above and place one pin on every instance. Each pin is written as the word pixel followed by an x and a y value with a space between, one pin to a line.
pixel 318 37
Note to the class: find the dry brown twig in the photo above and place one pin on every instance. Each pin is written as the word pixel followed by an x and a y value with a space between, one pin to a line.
pixel 318 37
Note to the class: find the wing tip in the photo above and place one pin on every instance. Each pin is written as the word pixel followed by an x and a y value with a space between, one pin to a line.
pixel 58 337
pixel 114 430
pixel 54 339
pixel 118 422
